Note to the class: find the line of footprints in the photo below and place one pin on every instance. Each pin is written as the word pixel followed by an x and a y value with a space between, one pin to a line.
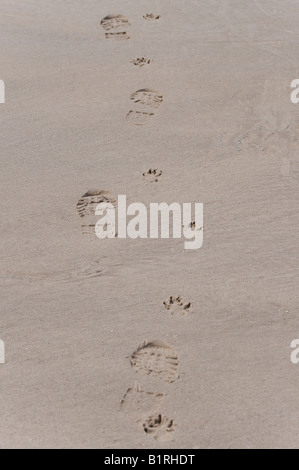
pixel 145 100
pixel 154 358
pixel 159 360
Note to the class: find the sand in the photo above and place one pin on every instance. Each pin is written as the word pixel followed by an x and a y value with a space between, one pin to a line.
pixel 97 354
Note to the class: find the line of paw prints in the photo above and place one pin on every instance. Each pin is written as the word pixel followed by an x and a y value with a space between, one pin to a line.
pixel 155 358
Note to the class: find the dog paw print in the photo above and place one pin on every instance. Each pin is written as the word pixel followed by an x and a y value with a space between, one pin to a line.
pixel 192 225
pixel 177 306
pixel 151 17
pixel 159 426
pixel 140 61
pixel 152 175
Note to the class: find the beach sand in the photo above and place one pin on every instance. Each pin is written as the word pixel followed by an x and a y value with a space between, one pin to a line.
pixel 93 357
